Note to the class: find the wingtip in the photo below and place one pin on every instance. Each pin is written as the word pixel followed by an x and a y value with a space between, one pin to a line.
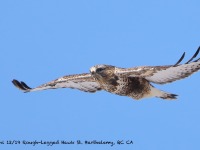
pixel 21 85
pixel 198 48
pixel 191 59
pixel 194 56
pixel 183 55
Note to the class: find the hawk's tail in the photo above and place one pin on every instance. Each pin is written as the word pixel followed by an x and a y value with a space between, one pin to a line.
pixel 161 94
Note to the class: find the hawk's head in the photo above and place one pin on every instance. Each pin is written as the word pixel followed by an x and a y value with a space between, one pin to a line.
pixel 102 72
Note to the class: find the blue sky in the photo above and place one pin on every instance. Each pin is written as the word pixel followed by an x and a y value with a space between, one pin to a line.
pixel 44 39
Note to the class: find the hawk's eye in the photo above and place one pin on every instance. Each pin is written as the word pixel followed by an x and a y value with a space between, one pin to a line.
pixel 99 69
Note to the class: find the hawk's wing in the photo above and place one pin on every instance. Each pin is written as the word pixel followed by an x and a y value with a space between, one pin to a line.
pixel 163 74
pixel 84 82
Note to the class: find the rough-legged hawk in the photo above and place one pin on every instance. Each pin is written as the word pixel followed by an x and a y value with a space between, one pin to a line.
pixel 131 82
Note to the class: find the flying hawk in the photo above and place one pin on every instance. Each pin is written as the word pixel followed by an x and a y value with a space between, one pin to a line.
pixel 132 82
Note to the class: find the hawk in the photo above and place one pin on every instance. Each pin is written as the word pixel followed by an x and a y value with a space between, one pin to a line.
pixel 132 82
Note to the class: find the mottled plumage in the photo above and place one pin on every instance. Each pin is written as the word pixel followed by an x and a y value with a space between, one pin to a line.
pixel 132 82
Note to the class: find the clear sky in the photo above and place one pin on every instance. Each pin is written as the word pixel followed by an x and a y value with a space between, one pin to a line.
pixel 41 40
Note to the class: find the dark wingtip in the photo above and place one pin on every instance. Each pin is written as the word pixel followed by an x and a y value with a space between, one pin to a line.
pixel 21 85
pixel 18 85
pixel 25 85
pixel 194 56
pixel 180 60
pixel 197 60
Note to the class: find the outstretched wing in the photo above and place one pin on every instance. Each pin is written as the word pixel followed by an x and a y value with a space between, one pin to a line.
pixel 84 82
pixel 169 74
pixel 164 74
